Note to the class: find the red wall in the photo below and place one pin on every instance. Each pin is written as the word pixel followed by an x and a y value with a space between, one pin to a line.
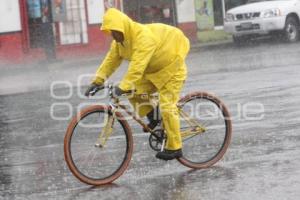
pixel 11 48
pixel 190 30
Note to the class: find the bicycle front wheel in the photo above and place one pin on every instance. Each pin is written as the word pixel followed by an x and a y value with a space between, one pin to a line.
pixel 89 162
pixel 206 130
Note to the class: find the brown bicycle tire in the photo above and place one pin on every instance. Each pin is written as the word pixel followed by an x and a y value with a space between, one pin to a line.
pixel 228 136
pixel 67 152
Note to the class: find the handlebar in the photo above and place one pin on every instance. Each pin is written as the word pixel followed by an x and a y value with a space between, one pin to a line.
pixel 110 87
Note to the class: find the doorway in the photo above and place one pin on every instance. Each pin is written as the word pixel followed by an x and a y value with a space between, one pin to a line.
pixel 41 28
pixel 40 23
pixel 218 12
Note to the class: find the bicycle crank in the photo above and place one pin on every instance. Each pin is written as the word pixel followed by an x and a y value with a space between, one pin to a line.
pixel 157 142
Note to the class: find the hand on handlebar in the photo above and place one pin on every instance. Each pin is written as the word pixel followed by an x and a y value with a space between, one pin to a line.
pixel 93 89
pixel 118 91
pixel 115 90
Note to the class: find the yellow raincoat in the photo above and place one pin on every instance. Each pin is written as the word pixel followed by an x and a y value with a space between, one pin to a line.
pixel 157 55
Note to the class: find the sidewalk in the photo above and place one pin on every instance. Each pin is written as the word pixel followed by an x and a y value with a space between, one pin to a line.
pixel 40 76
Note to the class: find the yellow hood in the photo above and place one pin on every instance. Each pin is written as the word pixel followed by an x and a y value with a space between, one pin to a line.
pixel 114 19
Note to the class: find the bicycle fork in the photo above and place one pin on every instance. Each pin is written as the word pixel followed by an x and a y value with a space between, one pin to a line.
pixel 106 131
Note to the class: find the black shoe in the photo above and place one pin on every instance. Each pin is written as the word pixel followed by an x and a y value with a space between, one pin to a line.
pixel 169 154
pixel 153 118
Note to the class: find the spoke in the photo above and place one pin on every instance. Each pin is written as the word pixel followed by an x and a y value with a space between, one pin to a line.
pixel 215 127
pixel 90 161
pixel 86 159
pixel 186 118
pixel 186 139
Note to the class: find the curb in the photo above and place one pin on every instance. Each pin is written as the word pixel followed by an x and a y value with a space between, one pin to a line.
pixel 211 45
pixel 96 60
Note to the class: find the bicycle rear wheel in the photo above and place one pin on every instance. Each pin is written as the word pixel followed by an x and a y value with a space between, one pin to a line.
pixel 204 149
pixel 94 165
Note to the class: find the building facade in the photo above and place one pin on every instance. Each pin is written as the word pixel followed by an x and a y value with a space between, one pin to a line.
pixel 38 29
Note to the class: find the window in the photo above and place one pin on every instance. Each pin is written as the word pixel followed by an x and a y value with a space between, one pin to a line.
pixel 95 11
pixel 234 3
pixel 149 11
pixel 9 9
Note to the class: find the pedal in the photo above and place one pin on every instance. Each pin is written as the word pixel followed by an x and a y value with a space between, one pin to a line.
pixel 98 145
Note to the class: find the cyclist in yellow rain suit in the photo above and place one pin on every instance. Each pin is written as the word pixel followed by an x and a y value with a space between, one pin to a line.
pixel 157 55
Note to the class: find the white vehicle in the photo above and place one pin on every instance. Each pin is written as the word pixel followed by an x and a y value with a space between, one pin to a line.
pixel 264 17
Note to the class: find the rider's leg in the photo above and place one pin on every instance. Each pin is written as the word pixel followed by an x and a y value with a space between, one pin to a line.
pixel 169 111
pixel 141 105
pixel 154 118
pixel 168 98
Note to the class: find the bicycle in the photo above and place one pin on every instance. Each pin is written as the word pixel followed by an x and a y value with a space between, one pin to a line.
pixel 98 144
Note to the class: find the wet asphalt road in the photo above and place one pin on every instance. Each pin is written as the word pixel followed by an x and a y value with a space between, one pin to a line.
pixel 263 161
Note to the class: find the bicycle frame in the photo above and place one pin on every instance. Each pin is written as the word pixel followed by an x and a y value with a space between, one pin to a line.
pixel 195 127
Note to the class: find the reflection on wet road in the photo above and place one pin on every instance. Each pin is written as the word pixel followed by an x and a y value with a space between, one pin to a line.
pixel 260 85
